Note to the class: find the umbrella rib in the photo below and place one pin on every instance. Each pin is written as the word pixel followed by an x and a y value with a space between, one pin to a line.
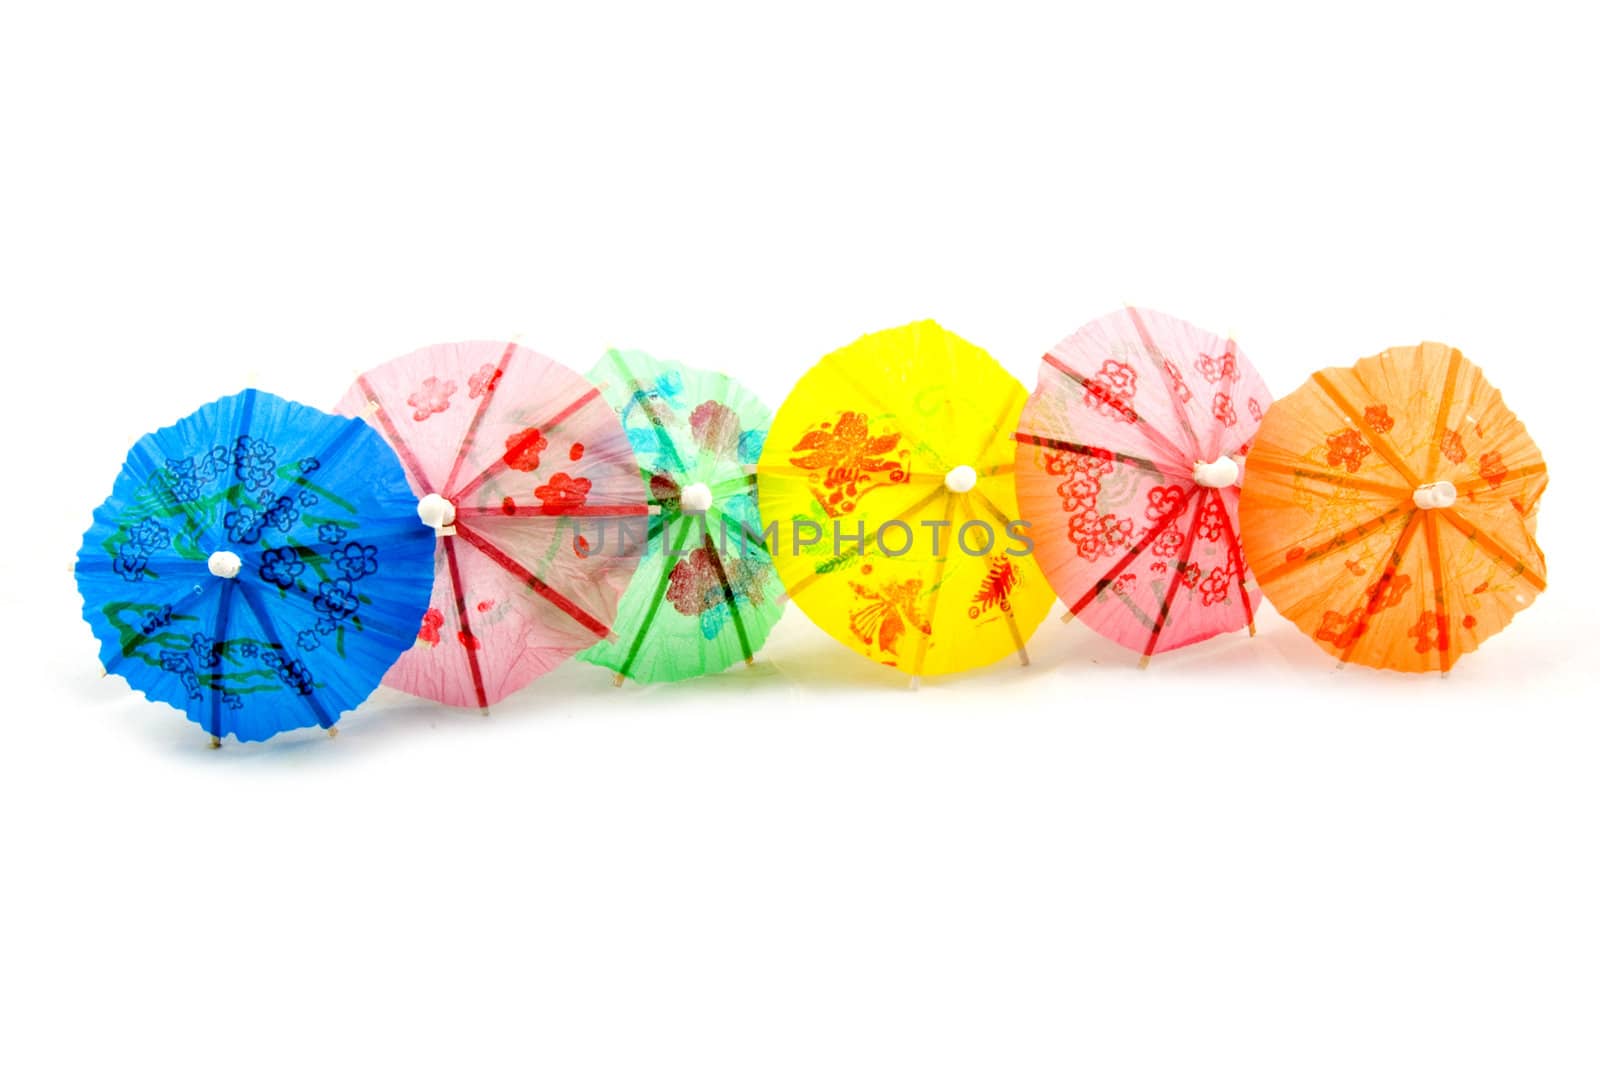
pixel 1238 561
pixel 265 620
pixel 940 562
pixel 631 380
pixel 1152 350
pixel 122 652
pixel 559 511
pixel 727 595
pixel 544 428
pixel 1172 587
pixel 1145 542
pixel 657 599
pixel 1333 478
pixel 470 438
pixel 1010 616
pixel 1381 586
pixel 533 582
pixel 1494 549
pixel 1127 410
pixel 1446 398
pixel 1342 539
pixel 1430 530
pixel 469 640
pixel 794 590
pixel 1058 445
pixel 402 448
pixel 1356 420
pixel 224 605
pixel 1515 474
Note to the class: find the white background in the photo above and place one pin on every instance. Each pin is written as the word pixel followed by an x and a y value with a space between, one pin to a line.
pixel 1239 856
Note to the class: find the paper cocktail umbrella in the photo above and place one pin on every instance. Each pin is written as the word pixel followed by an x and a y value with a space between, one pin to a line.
pixel 523 470
pixel 887 473
pixel 258 565
pixel 706 594
pixel 1128 459
pixel 1389 509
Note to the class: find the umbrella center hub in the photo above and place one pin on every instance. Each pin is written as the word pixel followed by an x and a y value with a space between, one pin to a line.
pixel 961 479
pixel 1218 474
pixel 695 499
pixel 1434 495
pixel 437 512
pixel 224 564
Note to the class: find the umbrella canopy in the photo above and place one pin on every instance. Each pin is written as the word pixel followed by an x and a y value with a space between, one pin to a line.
pixel 525 473
pixel 258 565
pixel 1390 507
pixel 706 594
pixel 886 485
pixel 1128 459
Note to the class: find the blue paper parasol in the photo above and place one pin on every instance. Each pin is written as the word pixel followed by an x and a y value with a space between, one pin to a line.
pixel 259 564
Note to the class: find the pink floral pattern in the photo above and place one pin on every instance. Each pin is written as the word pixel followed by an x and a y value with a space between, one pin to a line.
pixel 563 492
pixel 1214 369
pixel 432 396
pixel 483 381
pixel 1111 389
pixel 1222 408
pixel 1095 535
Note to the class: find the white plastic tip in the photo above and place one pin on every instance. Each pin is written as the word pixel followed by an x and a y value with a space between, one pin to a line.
pixel 695 499
pixel 224 564
pixel 434 510
pixel 961 479
pixel 1434 495
pixel 1218 474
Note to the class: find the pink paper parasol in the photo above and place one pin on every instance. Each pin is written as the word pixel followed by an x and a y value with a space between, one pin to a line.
pixel 1128 462
pixel 529 478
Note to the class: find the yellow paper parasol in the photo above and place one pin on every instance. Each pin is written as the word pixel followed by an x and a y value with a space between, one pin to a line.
pixel 886 487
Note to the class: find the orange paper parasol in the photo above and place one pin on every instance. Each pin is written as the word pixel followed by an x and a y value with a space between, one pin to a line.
pixel 1388 509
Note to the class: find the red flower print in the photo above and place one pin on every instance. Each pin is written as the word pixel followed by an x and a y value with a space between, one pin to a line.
pixel 1378 418
pixel 1469 621
pixel 1387 592
pixel 1082 474
pixel 1163 501
pixel 575 453
pixel 1339 631
pixel 663 490
pixel 508 506
pixel 468 641
pixel 431 621
pixel 1222 408
pixel 432 397
pixel 1223 368
pixel 1113 386
pixel 1180 388
pixel 563 492
pixel 1167 542
pixel 1254 408
pixel 1432 631
pixel 523 448
pixel 1213 518
pixel 1214 590
pixel 1347 449
pixel 848 458
pixel 1450 445
pixel 887 613
pixel 715 427
pixel 1492 468
pixel 1124 583
pixel 487 377
pixel 1096 535
pixel 1189 575
pixel 995 589
pixel 485 605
